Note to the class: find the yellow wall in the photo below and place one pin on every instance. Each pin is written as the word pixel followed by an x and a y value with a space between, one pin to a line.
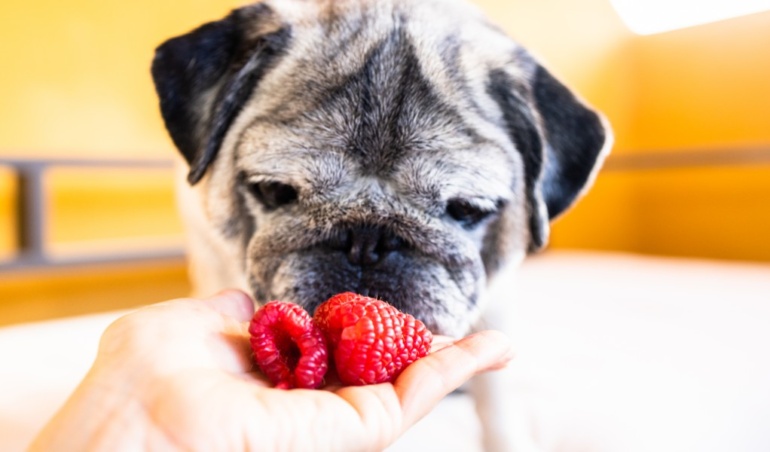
pixel 8 227
pixel 75 78
pixel 705 86
pixel 698 89
pixel 708 212
pixel 129 203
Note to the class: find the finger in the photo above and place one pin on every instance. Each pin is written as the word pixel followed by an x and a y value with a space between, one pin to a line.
pixel 232 303
pixel 424 383
pixel 441 342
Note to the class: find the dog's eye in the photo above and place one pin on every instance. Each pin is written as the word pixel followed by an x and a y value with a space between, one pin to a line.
pixel 466 213
pixel 273 194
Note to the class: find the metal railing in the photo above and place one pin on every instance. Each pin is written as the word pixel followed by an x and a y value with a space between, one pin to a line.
pixel 32 215
pixel 694 158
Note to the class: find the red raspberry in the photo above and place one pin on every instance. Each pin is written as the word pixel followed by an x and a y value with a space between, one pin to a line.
pixel 288 347
pixel 371 341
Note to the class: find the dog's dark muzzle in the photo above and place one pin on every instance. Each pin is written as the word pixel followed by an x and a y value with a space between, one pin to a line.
pixel 366 245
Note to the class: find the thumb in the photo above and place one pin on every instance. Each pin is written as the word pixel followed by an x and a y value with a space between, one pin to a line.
pixel 424 383
pixel 232 303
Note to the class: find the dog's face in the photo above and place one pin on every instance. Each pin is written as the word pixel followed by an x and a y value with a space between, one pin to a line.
pixel 404 149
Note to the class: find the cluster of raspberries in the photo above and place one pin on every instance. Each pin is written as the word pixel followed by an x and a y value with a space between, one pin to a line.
pixel 368 340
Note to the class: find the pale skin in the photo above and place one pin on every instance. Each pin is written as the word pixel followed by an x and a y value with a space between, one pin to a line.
pixel 178 376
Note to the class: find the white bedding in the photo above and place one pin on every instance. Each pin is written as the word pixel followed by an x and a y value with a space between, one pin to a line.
pixel 616 353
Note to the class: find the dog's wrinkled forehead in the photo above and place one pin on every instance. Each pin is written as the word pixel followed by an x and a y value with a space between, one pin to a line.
pixel 360 89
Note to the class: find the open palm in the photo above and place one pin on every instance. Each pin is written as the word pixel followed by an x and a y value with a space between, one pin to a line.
pixel 179 375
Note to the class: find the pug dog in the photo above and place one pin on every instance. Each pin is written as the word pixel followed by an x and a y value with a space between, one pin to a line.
pixel 407 150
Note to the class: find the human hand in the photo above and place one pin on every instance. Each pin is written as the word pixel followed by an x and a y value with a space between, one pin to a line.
pixel 179 375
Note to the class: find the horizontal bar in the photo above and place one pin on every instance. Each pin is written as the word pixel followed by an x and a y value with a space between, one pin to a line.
pixel 688 159
pixel 43 163
pixel 658 159
pixel 38 262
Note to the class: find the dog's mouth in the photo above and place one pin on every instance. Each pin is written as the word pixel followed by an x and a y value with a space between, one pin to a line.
pixel 375 262
pixel 441 311
pixel 387 296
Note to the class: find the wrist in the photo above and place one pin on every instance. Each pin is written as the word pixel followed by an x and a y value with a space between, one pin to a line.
pixel 99 415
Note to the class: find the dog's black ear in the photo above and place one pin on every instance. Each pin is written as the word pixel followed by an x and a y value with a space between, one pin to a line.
pixel 205 77
pixel 561 141
pixel 575 140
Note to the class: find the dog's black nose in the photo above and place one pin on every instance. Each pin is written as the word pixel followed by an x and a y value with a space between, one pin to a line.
pixel 367 245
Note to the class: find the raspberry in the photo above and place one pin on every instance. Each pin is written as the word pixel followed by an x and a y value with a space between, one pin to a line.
pixel 323 319
pixel 288 347
pixel 371 341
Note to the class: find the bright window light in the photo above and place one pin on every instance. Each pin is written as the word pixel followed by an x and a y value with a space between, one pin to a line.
pixel 646 17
